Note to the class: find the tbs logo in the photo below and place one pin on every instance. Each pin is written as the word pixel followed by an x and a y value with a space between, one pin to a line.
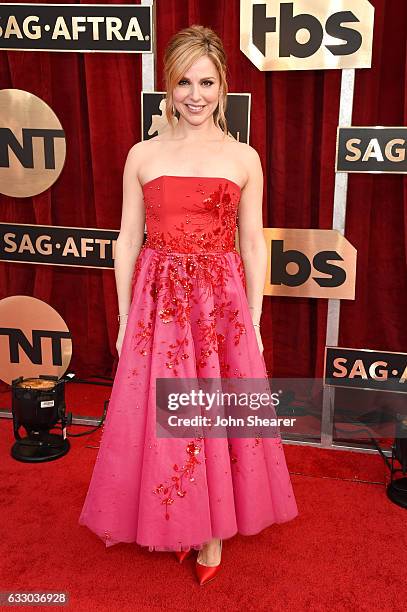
pixel 310 263
pixel 277 35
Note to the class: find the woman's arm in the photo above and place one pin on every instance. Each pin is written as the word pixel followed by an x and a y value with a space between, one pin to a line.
pixel 131 233
pixel 252 244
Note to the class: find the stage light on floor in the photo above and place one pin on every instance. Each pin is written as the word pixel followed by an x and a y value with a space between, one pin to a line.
pixel 397 489
pixel 38 405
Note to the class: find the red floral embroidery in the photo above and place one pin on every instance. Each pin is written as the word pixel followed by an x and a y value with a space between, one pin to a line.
pixel 177 486
pixel 189 264
pixel 209 226
pixel 177 281
pixel 144 335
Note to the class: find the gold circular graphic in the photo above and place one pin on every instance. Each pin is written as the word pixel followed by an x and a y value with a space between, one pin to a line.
pixel 32 143
pixel 34 339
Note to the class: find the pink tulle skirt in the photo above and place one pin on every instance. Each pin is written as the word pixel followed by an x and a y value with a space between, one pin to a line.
pixel 189 318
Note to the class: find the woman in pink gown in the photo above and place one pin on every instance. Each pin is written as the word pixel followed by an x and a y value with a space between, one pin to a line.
pixel 190 307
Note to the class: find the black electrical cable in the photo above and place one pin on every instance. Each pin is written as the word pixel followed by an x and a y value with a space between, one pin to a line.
pixel 379 448
pixel 90 431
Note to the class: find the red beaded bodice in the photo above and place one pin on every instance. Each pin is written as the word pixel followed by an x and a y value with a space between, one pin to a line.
pixel 199 219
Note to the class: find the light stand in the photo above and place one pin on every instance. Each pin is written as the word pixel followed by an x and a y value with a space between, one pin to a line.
pixel 38 404
pixel 397 488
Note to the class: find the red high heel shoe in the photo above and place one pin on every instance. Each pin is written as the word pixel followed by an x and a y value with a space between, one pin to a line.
pixel 205 573
pixel 182 554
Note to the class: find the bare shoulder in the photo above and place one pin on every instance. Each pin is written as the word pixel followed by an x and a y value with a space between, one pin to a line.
pixel 139 148
pixel 247 152
pixel 248 159
pixel 137 153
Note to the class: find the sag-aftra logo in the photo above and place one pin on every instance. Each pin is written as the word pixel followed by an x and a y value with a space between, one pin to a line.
pixel 303 35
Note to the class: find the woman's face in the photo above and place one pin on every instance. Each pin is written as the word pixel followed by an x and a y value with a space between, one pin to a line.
pixel 196 95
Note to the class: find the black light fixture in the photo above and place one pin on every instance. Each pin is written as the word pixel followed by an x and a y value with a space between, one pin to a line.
pixel 397 488
pixel 289 405
pixel 38 405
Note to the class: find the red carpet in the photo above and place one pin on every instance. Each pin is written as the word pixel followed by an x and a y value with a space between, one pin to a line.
pixel 347 550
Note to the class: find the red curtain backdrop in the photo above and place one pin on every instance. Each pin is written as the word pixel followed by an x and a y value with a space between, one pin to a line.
pixel 293 127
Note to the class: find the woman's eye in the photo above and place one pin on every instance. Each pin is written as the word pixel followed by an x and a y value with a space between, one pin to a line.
pixel 186 81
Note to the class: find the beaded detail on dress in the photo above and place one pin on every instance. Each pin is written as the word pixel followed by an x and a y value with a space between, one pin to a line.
pixel 191 235
pixel 202 220
pixel 189 318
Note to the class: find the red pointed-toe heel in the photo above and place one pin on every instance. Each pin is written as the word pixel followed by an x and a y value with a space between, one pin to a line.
pixel 206 573
pixel 182 554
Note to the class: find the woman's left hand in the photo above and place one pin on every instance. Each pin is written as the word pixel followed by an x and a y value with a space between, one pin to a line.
pixel 258 337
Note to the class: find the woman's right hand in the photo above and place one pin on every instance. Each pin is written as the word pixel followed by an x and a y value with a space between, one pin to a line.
pixel 119 341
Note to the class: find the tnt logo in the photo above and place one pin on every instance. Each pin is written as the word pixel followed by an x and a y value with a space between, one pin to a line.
pixel 302 35
pixel 24 152
pixel 32 144
pixel 34 339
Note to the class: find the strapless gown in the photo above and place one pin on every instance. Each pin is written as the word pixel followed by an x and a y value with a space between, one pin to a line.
pixel 189 317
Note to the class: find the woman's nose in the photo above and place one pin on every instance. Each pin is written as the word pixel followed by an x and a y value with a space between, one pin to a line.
pixel 195 93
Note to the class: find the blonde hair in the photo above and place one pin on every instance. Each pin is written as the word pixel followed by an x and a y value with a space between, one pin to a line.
pixel 184 48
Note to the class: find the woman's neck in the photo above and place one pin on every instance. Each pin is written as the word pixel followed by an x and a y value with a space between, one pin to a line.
pixel 197 133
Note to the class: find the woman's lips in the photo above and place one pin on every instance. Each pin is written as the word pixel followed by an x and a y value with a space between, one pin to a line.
pixel 195 109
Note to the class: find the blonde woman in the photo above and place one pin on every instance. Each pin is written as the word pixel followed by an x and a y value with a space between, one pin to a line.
pixel 189 307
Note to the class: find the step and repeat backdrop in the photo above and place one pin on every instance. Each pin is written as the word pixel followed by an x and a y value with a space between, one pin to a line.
pixel 274 36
